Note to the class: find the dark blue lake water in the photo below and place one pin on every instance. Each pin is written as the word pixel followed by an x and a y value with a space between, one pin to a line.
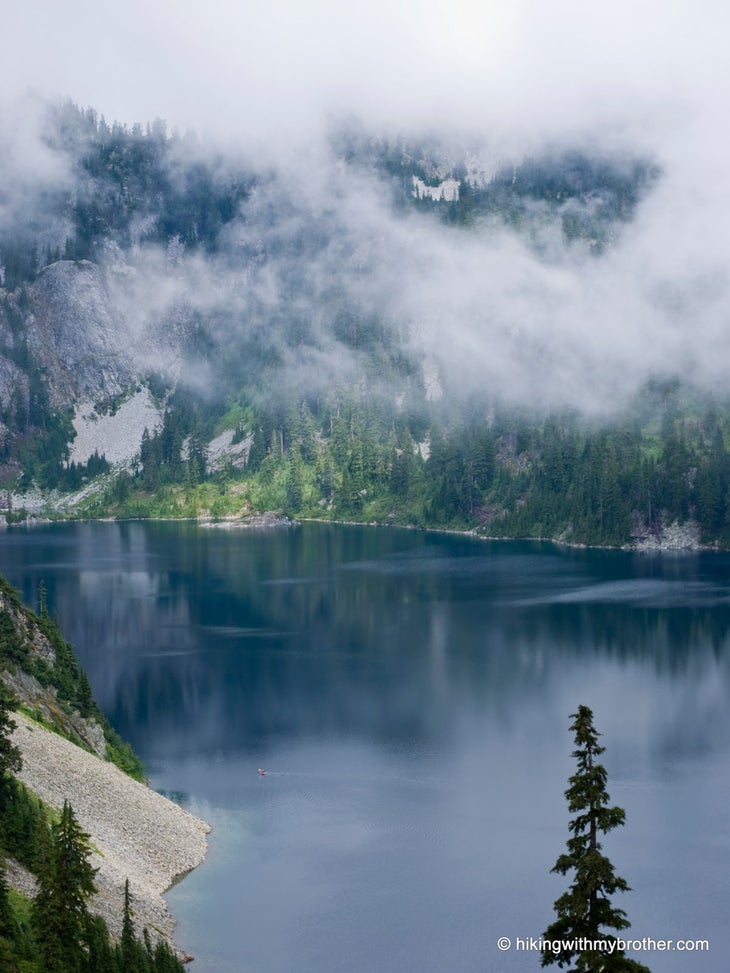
pixel 409 695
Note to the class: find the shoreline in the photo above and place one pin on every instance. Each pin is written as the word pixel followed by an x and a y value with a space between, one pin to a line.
pixel 135 833
pixel 674 539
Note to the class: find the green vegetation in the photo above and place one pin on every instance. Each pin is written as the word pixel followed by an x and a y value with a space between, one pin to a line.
pixel 121 173
pixel 10 761
pixel 372 446
pixel 120 753
pixel 586 195
pixel 506 476
pixel 24 818
pixel 585 912
pixel 73 692
pixel 60 915
pixel 55 933
pixel 142 187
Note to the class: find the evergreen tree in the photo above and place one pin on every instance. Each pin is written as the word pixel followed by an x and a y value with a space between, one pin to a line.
pixel 6 913
pixel 133 956
pixel 585 911
pixel 150 454
pixel 65 884
pixel 10 759
pixel 128 937
pixel 257 452
pixel 164 960
pixel 84 697
pixel 42 599
pixel 295 481
pixel 101 955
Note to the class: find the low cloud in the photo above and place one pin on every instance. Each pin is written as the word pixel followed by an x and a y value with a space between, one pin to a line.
pixel 547 325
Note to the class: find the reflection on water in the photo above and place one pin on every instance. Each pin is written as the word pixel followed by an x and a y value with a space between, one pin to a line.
pixel 409 694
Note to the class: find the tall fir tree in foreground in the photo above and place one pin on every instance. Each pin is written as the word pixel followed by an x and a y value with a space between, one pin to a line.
pixel 65 885
pixel 585 912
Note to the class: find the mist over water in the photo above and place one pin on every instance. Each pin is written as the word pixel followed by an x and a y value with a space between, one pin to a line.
pixel 409 695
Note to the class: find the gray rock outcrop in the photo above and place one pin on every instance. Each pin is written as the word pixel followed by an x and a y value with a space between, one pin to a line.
pixel 671 537
pixel 76 335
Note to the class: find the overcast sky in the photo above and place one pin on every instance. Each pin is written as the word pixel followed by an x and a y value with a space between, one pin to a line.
pixel 275 68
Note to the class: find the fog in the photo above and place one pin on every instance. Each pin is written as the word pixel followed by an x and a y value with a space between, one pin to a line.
pixel 518 70
pixel 547 325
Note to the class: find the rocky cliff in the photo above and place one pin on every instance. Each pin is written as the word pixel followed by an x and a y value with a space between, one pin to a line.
pixel 76 335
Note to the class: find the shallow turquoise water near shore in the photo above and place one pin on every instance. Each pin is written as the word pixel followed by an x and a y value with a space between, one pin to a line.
pixel 409 694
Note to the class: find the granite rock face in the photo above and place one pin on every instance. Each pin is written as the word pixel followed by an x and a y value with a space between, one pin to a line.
pixel 13 385
pixel 76 335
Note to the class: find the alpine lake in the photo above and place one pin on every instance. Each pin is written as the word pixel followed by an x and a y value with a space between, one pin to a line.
pixel 409 695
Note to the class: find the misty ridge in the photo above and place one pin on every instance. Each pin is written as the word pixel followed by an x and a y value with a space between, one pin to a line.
pixel 412 267
pixel 385 327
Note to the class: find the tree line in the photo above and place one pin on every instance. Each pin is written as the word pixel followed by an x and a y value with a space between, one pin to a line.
pixel 502 474
pixel 58 933
pixel 131 185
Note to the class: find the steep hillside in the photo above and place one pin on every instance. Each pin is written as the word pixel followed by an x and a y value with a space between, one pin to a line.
pixel 155 262
pixel 40 668
pixel 392 329
pixel 137 835
pixel 140 843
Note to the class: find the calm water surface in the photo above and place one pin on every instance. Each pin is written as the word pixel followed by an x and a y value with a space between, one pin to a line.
pixel 409 694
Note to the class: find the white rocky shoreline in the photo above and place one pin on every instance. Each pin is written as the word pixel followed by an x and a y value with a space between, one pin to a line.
pixel 136 833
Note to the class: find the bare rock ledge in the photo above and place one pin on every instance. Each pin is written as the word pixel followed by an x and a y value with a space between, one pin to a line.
pixel 136 833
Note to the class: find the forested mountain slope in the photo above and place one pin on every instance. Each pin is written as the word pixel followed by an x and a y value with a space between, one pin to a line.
pixel 392 329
